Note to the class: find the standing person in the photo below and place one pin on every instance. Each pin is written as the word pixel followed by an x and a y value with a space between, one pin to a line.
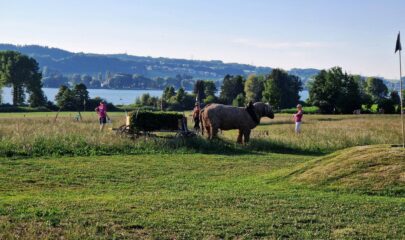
pixel 298 118
pixel 196 116
pixel 102 114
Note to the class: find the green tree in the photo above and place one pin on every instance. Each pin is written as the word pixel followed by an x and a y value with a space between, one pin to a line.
pixel 22 73
pixel 81 95
pixel 239 101
pixel 204 89
pixel 335 91
pixel 253 88
pixel 209 88
pixel 210 99
pixel 394 96
pixel 168 93
pixel 144 100
pixel 396 100
pixel 65 98
pixel 376 88
pixel 387 105
pixel 365 98
pixel 350 95
pixel 231 87
pixel 180 96
pixel 281 90
pixel 199 90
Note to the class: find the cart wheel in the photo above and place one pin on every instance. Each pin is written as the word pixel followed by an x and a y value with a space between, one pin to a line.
pixel 121 130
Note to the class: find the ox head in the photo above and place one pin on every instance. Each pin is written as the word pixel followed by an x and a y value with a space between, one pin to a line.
pixel 264 109
pixel 269 111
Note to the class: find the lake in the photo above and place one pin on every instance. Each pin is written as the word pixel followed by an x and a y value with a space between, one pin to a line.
pixel 111 95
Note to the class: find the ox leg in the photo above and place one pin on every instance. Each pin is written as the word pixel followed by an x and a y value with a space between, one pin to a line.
pixel 239 140
pixel 202 128
pixel 214 132
pixel 246 135
pixel 208 129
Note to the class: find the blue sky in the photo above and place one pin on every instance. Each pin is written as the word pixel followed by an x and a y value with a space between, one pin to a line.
pixel 358 35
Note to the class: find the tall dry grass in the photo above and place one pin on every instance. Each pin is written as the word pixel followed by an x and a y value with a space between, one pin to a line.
pixel 326 133
pixel 40 135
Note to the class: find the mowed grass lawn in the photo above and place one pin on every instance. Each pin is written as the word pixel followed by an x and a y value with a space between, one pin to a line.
pixel 176 191
pixel 182 196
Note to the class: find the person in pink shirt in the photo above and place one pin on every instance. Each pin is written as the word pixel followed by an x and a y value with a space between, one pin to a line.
pixel 102 114
pixel 298 118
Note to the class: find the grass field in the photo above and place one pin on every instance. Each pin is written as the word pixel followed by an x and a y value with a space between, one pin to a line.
pixel 67 180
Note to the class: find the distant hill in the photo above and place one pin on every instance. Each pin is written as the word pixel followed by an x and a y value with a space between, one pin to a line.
pixel 61 62
pixel 67 63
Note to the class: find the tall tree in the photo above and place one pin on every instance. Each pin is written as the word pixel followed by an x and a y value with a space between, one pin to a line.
pixel 22 73
pixel 281 90
pixel 376 88
pixel 34 85
pixel 168 93
pixel 180 97
pixel 350 95
pixel 364 96
pixel 199 90
pixel 231 87
pixel 239 101
pixel 65 99
pixel 253 88
pixel 209 88
pixel 335 91
pixel 81 95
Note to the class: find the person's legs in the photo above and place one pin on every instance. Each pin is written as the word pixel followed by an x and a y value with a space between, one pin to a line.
pixel 298 127
pixel 197 124
pixel 103 121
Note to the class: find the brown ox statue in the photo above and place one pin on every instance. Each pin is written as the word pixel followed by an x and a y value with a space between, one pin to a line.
pixel 218 116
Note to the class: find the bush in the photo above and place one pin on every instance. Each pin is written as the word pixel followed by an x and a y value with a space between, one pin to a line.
pixel 210 99
pixel 92 103
pixel 387 105
pixel 239 101
pixel 307 110
pixel 152 121
pixel 11 108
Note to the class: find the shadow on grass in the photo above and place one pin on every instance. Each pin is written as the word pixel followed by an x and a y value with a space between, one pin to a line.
pixel 328 119
pixel 226 147
pixel 77 146
pixel 277 123
pixel 267 146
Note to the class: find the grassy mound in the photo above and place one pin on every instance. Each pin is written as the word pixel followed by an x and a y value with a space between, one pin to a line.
pixel 378 169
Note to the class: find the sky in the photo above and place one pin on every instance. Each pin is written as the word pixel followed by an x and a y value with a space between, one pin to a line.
pixel 358 35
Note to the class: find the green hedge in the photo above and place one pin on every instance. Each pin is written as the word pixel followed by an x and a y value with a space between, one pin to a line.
pixel 10 108
pixel 307 110
pixel 151 121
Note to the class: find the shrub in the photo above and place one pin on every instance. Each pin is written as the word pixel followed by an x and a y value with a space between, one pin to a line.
pixel 307 110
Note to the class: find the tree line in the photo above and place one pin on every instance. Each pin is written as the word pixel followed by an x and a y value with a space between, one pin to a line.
pixel 335 91
pixel 278 88
pixel 110 80
pixel 331 90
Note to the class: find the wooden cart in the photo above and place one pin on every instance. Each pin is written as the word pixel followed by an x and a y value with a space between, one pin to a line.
pixel 134 129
